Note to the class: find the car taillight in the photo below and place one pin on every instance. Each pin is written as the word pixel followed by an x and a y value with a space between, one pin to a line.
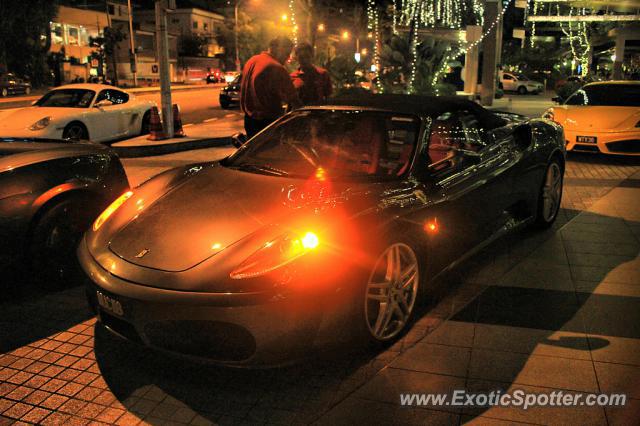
pixel 276 254
pixel 111 209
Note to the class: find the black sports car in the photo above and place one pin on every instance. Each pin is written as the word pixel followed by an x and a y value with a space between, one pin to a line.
pixel 230 94
pixel 334 218
pixel 50 192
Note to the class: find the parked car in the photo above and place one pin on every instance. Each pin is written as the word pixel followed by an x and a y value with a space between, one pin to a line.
pixel 601 117
pixel 229 76
pixel 573 79
pixel 50 192
pixel 230 94
pixel 512 82
pixel 214 76
pixel 10 84
pixel 335 218
pixel 80 112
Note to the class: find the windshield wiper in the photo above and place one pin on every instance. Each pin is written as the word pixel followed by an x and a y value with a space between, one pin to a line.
pixel 260 168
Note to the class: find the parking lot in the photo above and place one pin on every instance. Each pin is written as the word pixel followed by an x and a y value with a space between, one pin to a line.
pixel 545 311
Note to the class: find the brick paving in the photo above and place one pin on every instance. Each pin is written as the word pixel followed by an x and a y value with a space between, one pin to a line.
pixel 57 367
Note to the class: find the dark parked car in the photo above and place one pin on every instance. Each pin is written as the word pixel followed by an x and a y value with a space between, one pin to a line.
pixel 230 94
pixel 50 192
pixel 334 218
pixel 12 85
pixel 214 76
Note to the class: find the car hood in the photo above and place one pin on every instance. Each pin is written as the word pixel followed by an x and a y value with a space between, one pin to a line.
pixel 23 118
pixel 205 214
pixel 598 118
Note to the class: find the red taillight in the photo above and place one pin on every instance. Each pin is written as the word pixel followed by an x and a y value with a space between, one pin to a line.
pixel 276 254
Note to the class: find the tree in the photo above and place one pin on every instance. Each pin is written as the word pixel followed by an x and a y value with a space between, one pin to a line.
pixel 25 38
pixel 192 45
pixel 106 46
pixel 396 62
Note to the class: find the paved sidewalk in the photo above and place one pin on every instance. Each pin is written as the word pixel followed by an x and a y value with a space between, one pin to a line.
pixel 214 132
pixel 565 318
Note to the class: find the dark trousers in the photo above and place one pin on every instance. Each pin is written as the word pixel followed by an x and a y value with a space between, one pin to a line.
pixel 253 126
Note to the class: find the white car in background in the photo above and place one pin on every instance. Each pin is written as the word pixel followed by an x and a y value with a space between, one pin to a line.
pixel 94 112
pixel 512 82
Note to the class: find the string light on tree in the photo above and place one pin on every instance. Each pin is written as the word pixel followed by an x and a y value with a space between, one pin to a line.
pixel 292 15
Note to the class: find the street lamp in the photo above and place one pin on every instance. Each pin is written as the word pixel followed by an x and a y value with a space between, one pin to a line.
pixel 321 27
pixel 345 35
pixel 284 17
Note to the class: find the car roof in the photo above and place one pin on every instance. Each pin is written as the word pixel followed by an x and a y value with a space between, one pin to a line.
pixel 432 106
pixel 89 86
pixel 614 82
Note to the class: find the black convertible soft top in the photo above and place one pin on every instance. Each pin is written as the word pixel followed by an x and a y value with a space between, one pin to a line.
pixel 431 106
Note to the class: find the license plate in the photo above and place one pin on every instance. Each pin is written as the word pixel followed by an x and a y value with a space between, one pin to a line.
pixel 109 304
pixel 586 139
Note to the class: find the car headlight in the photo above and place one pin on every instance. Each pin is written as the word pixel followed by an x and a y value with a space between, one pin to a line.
pixel 40 124
pixel 276 254
pixel 111 210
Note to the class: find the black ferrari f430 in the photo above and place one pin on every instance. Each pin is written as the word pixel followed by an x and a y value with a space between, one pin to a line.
pixel 334 217
pixel 50 192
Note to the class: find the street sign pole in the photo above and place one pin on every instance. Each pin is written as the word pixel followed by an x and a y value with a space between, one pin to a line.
pixel 133 59
pixel 162 42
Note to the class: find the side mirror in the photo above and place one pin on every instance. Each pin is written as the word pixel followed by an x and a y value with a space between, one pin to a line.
pixel 103 103
pixel 238 139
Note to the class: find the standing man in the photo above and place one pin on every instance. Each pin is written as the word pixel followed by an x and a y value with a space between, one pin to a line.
pixel 312 83
pixel 266 86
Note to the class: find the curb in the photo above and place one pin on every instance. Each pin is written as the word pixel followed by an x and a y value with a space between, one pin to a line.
pixel 150 90
pixel 169 148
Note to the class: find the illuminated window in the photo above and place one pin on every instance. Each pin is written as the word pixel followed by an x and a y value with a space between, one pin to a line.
pixel 57 33
pixel 74 35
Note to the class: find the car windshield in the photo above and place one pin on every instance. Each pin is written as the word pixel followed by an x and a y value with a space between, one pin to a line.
pixel 342 143
pixel 67 98
pixel 624 95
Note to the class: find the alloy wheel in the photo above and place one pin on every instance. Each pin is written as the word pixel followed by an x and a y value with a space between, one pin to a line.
pixel 392 291
pixel 551 192
pixel 74 132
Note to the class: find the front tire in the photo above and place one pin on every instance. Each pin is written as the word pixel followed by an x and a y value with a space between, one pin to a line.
pixel 391 294
pixel 224 104
pixel 53 240
pixel 146 119
pixel 4 92
pixel 550 195
pixel 522 90
pixel 75 131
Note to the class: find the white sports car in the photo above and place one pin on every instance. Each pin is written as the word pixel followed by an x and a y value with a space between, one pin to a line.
pixel 80 111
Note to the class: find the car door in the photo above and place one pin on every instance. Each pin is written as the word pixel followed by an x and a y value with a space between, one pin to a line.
pixel 111 119
pixel 508 82
pixel 494 167
pixel 451 218
pixel 129 117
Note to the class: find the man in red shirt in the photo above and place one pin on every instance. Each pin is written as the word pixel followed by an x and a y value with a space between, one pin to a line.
pixel 266 86
pixel 312 83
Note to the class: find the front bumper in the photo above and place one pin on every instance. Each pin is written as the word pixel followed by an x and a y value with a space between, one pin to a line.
pixel 232 98
pixel 49 132
pixel 619 143
pixel 232 329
